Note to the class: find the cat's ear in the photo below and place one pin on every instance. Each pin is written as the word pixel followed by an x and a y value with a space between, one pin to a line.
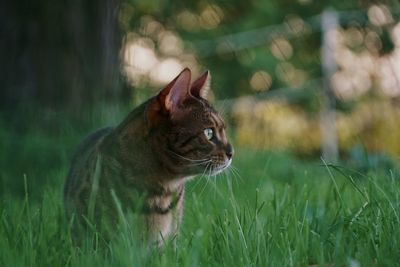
pixel 173 95
pixel 201 86
pixel 169 101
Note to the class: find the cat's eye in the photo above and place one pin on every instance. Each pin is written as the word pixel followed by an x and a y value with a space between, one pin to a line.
pixel 209 133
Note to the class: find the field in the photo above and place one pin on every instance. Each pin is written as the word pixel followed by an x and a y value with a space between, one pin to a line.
pixel 272 209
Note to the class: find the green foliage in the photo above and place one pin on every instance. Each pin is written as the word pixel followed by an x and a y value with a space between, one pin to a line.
pixel 39 143
pixel 249 29
pixel 276 124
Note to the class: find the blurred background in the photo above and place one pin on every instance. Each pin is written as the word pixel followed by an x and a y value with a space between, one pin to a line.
pixel 313 78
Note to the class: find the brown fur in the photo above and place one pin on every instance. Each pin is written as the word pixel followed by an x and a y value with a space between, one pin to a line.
pixel 143 163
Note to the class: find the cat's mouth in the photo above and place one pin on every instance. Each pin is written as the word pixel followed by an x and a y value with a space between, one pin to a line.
pixel 218 168
pixel 210 166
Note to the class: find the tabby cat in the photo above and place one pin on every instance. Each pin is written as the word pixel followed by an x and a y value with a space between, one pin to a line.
pixel 143 163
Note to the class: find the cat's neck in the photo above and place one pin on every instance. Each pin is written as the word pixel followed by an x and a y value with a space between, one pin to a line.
pixel 130 147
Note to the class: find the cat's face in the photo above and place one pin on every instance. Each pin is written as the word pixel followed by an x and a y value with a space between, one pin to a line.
pixel 197 141
pixel 192 135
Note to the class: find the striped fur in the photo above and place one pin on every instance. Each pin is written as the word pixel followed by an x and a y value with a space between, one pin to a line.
pixel 142 164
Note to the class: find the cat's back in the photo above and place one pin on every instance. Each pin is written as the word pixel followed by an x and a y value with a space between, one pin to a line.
pixel 82 160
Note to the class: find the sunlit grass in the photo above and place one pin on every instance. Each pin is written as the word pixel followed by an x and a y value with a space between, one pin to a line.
pixel 277 211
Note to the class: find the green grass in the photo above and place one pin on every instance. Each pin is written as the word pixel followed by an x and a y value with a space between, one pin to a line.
pixel 275 210
pixel 278 212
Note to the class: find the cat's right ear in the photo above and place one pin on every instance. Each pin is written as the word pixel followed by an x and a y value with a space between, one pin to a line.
pixel 201 86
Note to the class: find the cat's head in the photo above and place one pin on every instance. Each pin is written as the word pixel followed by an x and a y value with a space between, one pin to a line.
pixel 187 130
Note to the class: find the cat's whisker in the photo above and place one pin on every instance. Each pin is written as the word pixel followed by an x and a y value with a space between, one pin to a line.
pixel 235 172
pixel 204 187
pixel 198 163
pixel 213 178
pixel 208 177
pixel 185 158
pixel 235 175
pixel 212 170
pixel 231 174
pixel 216 189
pixel 202 175
pixel 227 173
pixel 205 170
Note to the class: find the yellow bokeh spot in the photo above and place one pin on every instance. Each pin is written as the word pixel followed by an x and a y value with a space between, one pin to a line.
pixel 281 49
pixel 211 16
pixel 261 80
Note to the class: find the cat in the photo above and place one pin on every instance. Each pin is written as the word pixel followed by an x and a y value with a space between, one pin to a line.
pixel 143 164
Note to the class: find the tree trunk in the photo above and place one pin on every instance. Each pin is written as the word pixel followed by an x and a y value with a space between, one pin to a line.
pixel 59 54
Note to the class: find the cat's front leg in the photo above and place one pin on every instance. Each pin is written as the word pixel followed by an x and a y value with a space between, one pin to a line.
pixel 159 228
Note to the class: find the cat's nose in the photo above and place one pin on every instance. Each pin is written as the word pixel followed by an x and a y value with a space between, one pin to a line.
pixel 229 151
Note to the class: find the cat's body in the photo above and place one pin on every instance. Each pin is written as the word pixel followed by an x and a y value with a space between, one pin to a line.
pixel 142 164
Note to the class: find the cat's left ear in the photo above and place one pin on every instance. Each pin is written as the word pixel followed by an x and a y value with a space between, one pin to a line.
pixel 201 86
pixel 170 99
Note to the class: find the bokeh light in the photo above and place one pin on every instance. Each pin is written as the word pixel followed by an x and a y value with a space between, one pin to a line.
pixel 261 80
